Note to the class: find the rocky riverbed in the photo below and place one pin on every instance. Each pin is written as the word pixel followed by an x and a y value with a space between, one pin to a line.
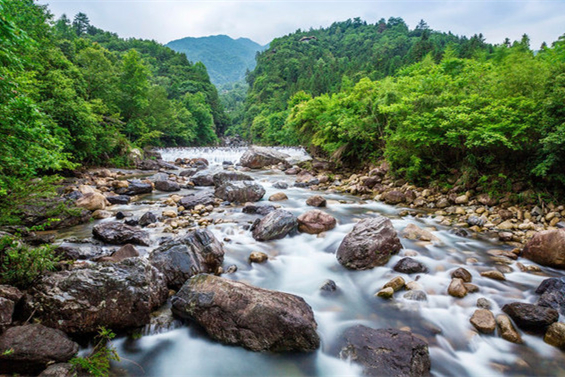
pixel 277 253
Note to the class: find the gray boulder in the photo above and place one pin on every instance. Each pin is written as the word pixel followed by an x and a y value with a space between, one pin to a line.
pixel 230 176
pixel 147 218
pixel 552 293
pixel 117 233
pixel 167 185
pixel 201 197
pixel 275 225
pixel 240 314
pixel 371 243
pixel 118 199
pixel 409 266
pixel 531 317
pixel 115 295
pixel 183 257
pixel 136 187
pixel 257 209
pixel 384 352
pixel 258 157
pixel 240 192
pixel 204 178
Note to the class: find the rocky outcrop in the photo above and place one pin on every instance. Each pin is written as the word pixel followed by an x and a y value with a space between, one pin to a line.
pixel 531 317
pixel 29 349
pixel 547 248
pixel 204 198
pixel 114 232
pixel 183 257
pixel 371 243
pixel 116 295
pixel 240 314
pixel 315 221
pixel 275 225
pixel 240 191
pixel 258 157
pixel 384 352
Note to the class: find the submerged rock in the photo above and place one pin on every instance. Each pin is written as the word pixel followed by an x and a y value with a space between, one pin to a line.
pixel 384 352
pixel 240 314
pixel 204 198
pixel 116 295
pixel 371 243
pixel 119 234
pixel 275 225
pixel 230 176
pixel 258 157
pixel 240 191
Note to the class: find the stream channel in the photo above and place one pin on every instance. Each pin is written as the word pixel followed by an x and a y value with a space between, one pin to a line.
pixel 300 265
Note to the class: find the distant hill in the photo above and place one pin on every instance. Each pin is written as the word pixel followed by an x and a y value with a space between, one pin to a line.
pixel 225 58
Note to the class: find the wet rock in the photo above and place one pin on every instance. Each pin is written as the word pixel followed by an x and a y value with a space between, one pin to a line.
pixel 505 236
pixel 384 352
pixel 476 221
pixel 263 210
pixel 6 311
pixel 240 191
pixel 483 320
pixel 230 176
pixel 462 274
pixel 258 157
pixel 185 256
pixel 131 222
pixel 329 286
pixel 385 293
pixel 136 187
pixel 471 288
pixel 416 295
pixel 59 370
pixel 147 218
pixel 280 185
pixel 414 232
pixel 204 198
pixel 483 303
pixel 204 177
pixel 460 232
pixel 275 225
pixel 396 283
pixel 315 222
pixel 486 200
pixel 188 172
pixel 369 244
pixel 555 335
pixel 32 347
pixel 92 201
pixel 40 213
pixel 117 233
pixel 547 248
pixel 115 295
pixel 316 201
pixel 167 186
pixel 552 293
pixel 10 293
pixel 494 275
pixel 126 251
pixel 393 197
pixel 258 319
pixel 507 330
pixel 98 215
pixel 531 317
pixel 277 197
pixel 457 288
pixel 409 266
pixel 258 257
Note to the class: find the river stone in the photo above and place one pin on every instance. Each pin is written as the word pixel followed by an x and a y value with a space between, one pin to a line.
pixel 329 286
pixel 369 244
pixel 32 348
pixel 507 330
pixel 316 201
pixel 237 313
pixel 393 197
pixel 384 352
pixel 258 257
pixel 483 320
pixel 280 185
pixel 278 197
pixel 114 232
pixel 416 295
pixel 204 198
pixel 409 266
pixel 396 283
pixel 148 218
pixel 115 295
pixel 547 248
pixel 414 232
pixel 483 303
pixel 230 176
pixel 126 251
pixel 167 186
pixel 531 317
pixel 92 201
pixel 240 191
pixel 385 293
pixel 118 199
pixel 185 256
pixel 136 187
pixel 275 225
pixel 6 311
pixel 258 157
pixel 315 221
pixel 204 177
pixel 457 288
pixel 60 370
pixel 263 209
pixel 552 293
pixel 493 274
pixel 462 274
pixel 555 335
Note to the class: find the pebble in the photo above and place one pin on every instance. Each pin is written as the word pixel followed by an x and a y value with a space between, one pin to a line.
pixel 258 257
pixel 385 293
pixel 483 303
pixel 493 274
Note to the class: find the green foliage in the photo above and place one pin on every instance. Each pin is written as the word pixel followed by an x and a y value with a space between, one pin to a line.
pixel 98 362
pixel 20 265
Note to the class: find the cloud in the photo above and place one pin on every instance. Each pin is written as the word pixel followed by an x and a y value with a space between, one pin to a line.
pixel 263 20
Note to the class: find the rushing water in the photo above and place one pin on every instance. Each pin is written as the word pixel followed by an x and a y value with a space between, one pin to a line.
pixel 302 263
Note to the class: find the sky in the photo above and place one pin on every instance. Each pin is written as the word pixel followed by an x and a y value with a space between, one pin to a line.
pixel 263 20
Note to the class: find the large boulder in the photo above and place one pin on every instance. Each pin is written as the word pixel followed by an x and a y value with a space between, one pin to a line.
pixel 92 201
pixel 258 157
pixel 237 313
pixel 240 191
pixel 275 225
pixel 125 252
pixel 118 199
pixel 552 293
pixel 409 266
pixel 531 317
pixel 316 221
pixel 384 352
pixel 41 212
pixel 183 257
pixel 115 295
pixel 117 233
pixel 547 248
pixel 28 349
pixel 167 185
pixel 200 197
pixel 204 178
pixel 230 176
pixel 257 209
pixel 371 243
pixel 136 187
